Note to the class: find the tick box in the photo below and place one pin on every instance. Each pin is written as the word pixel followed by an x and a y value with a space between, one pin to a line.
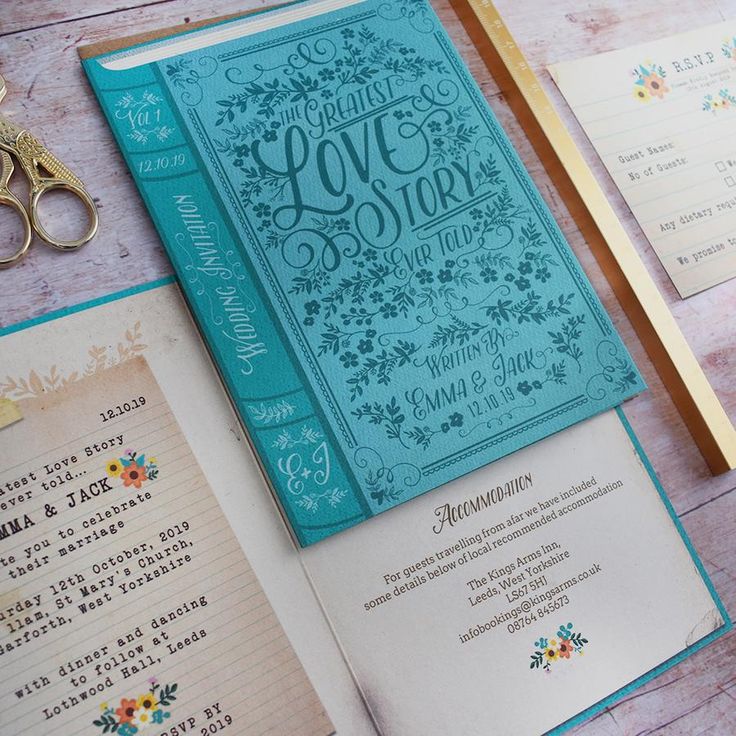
pixel 730 181
pixel 720 165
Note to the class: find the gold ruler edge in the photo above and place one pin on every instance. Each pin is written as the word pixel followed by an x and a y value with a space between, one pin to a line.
pixel 655 325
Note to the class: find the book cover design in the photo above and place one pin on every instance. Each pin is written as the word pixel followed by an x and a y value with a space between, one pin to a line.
pixel 387 297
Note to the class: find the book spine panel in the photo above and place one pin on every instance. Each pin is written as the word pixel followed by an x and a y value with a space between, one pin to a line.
pixel 314 485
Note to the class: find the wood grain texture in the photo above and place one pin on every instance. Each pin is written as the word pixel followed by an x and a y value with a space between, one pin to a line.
pixel 49 94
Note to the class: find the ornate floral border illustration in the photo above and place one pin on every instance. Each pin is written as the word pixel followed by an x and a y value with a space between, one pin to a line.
pixel 101 357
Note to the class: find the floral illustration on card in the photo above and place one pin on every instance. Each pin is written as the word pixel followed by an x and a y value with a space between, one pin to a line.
pixel 729 48
pixel 649 82
pixel 723 100
pixel 549 652
pixel 138 713
pixel 133 469
pixel 100 357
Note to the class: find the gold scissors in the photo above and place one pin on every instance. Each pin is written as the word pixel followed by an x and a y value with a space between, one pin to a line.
pixel 35 159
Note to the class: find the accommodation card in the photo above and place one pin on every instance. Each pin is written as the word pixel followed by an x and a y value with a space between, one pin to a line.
pixel 522 596
pixel 128 605
pixel 662 117
pixel 385 293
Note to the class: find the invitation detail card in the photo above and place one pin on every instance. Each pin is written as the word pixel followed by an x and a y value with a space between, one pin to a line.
pixel 662 117
pixel 520 595
pixel 389 299
pixel 126 603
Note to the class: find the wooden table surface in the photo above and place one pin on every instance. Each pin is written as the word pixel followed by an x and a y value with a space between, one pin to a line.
pixel 48 92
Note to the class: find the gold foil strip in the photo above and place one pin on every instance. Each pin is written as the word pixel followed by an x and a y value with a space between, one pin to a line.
pixel 663 340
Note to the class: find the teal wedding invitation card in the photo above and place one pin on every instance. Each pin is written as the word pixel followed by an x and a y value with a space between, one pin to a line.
pixel 384 291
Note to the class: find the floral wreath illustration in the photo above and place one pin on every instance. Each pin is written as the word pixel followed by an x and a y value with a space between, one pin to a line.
pixel 134 715
pixel 649 82
pixel 549 651
pixel 133 469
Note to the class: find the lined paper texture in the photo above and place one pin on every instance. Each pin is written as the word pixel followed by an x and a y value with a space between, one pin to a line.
pixel 662 117
pixel 126 603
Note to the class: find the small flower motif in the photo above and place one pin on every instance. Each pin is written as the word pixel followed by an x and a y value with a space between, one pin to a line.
pixel 142 719
pixel 476 213
pixel 127 709
pixel 160 716
pixel 524 388
pixel 343 224
pixel 262 210
pixel 525 267
pixel 148 702
pixel 347 33
pixel 445 275
pixel 270 135
pixel 425 276
pixel 326 93
pixel 389 311
pixel 565 631
pixel 399 114
pixel 541 643
pixel 445 427
pixel 434 126
pixel 133 475
pixel 370 334
pixel 376 297
pixel 489 274
pixel 308 321
pixel 349 359
pixel 326 75
pixel 542 274
pixel 656 85
pixel 365 346
pixel 114 468
pixel 641 94
pixel 551 653
pixel 509 277
pixel 522 283
pixel 564 649
pixel 456 419
pixel 312 307
pixel 370 255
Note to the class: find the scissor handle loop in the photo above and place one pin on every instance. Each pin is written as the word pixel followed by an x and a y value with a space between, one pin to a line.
pixel 9 200
pixel 44 186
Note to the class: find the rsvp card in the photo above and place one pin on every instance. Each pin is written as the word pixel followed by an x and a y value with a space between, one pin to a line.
pixel 662 117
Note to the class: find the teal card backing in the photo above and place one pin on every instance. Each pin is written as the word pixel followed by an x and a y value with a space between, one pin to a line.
pixel 385 293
